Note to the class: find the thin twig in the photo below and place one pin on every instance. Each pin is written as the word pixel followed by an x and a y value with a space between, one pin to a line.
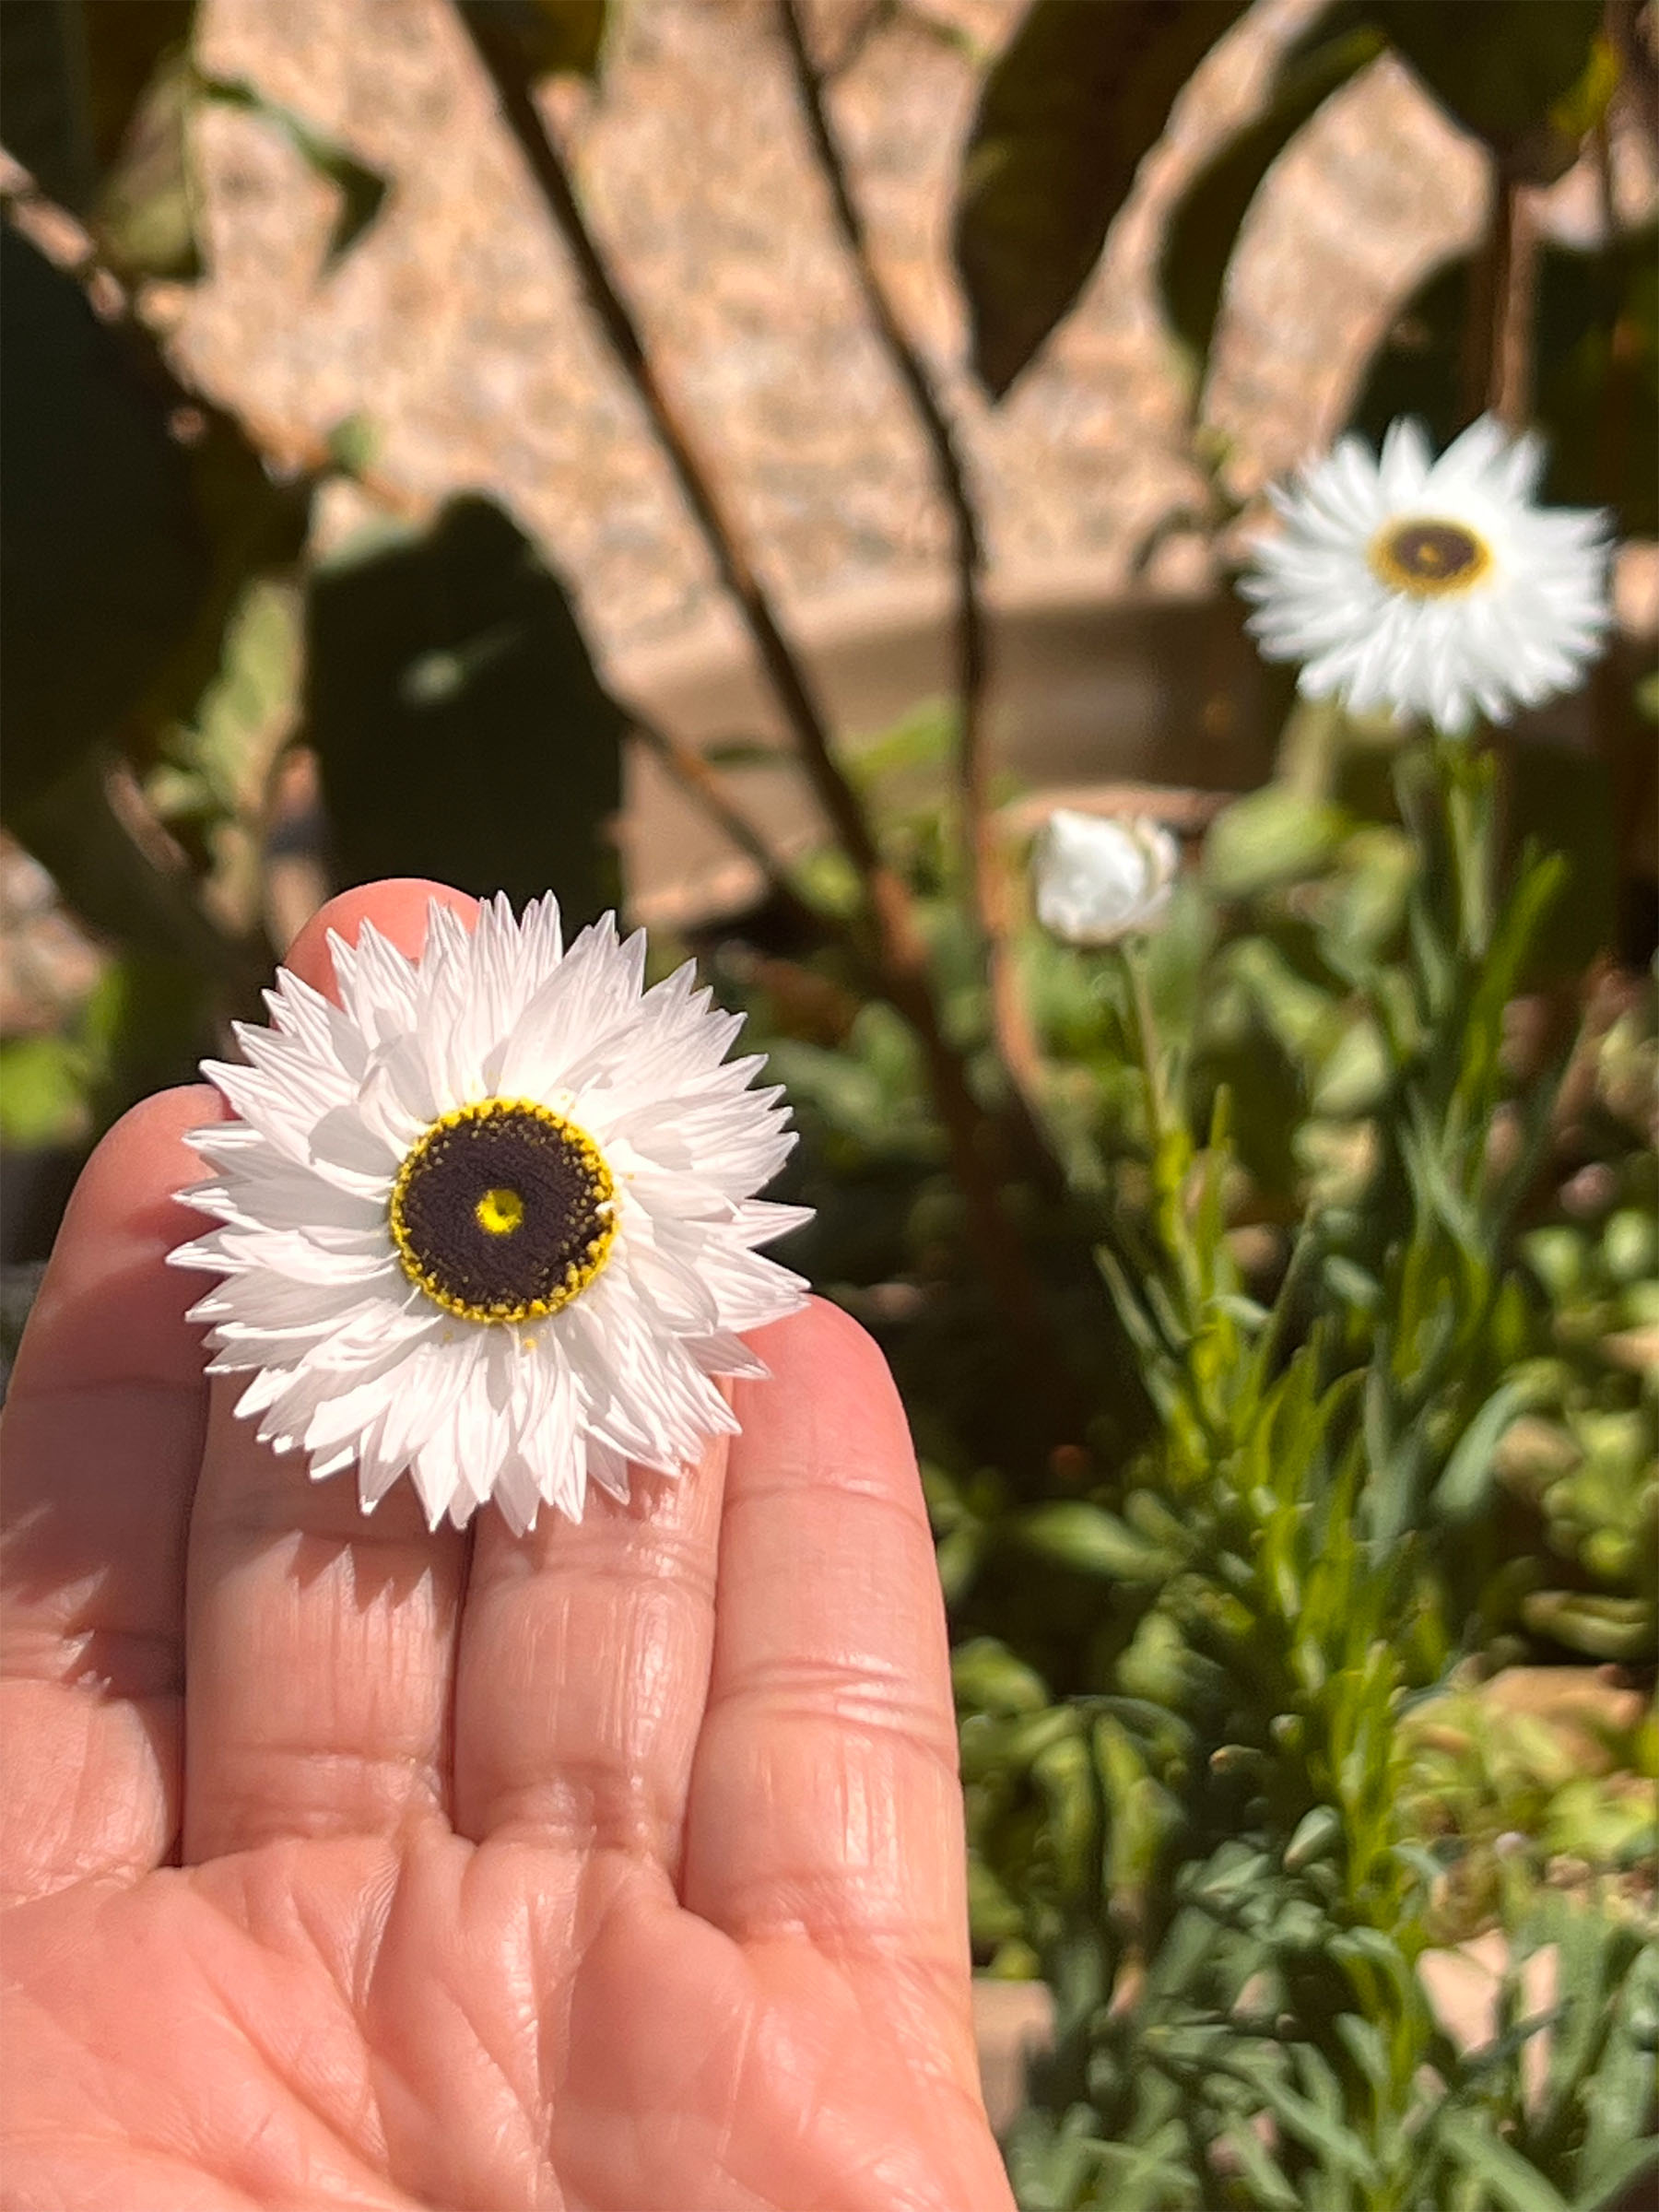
pixel 693 773
pixel 897 952
pixel 1497 342
pixel 497 46
pixel 1631 29
pixel 982 856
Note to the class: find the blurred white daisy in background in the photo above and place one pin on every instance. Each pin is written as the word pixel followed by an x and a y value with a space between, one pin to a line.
pixel 1433 588
pixel 1098 879
pixel 491 1219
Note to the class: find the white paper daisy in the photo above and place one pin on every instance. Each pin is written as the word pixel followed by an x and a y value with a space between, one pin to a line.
pixel 490 1220
pixel 1432 588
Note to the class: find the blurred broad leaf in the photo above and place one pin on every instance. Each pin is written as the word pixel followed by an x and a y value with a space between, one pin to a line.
pixel 1272 836
pixel 77 72
pixel 1075 99
pixel 553 37
pixel 113 882
pixel 150 1020
pixel 462 730
pixel 1199 242
pixel 1596 373
pixel 94 102
pixel 146 217
pixel 122 549
pixel 1562 801
pixel 1605 1628
pixel 1527 79
pixel 42 1091
pixel 102 551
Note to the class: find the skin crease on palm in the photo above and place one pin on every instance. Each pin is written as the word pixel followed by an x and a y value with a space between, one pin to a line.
pixel 617 1868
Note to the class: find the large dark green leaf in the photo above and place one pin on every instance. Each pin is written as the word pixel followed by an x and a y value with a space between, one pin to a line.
pixel 1078 97
pixel 1528 77
pixel 1597 369
pixel 75 73
pixel 462 730
pixel 146 213
pixel 1199 243
pixel 554 37
pixel 94 102
pixel 102 553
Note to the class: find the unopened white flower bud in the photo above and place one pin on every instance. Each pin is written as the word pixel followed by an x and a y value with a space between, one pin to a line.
pixel 1098 879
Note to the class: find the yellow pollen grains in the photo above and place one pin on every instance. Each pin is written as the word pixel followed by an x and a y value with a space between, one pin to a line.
pixel 1429 559
pixel 500 1212
pixel 503 1211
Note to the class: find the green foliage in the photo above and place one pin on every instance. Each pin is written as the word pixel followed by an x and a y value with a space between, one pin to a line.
pixel 1219 1846
pixel 106 562
pixel 1528 80
pixel 89 105
pixel 1596 370
pixel 97 102
pixel 460 727
pixel 1076 96
pixel 1219 1793
pixel 131 528
pixel 553 36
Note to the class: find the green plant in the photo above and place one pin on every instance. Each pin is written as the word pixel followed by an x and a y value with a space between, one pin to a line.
pixel 1204 1846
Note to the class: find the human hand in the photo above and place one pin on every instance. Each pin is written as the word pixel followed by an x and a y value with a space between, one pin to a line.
pixel 619 1866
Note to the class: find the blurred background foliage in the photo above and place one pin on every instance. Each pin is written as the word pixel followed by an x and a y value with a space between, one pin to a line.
pixel 1275 1302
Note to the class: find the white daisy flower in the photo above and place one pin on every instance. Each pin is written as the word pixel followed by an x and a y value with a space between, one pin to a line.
pixel 490 1220
pixel 1098 879
pixel 1433 588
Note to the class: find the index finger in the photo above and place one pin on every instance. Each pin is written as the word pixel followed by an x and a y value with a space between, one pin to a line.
pixel 102 1441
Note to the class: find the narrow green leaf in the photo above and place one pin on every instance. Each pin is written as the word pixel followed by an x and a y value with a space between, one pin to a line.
pixel 1318 1834
pixel 1465 1484
pixel 1603 1627
pixel 1310 2124
pixel 1086 1538
pixel 1271 2189
pixel 1512 2181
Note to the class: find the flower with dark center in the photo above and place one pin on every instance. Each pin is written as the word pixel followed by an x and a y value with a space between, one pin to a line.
pixel 492 1220
pixel 1439 589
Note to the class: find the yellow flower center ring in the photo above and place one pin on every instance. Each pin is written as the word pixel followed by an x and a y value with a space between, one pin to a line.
pixel 503 1211
pixel 1428 560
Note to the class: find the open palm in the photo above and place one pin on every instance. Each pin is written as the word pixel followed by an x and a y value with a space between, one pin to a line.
pixel 618 1867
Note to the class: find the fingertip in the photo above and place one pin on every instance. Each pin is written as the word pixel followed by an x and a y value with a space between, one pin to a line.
pixel 829 1416
pixel 822 1347
pixel 398 908
pixel 142 1158
pixel 109 1308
